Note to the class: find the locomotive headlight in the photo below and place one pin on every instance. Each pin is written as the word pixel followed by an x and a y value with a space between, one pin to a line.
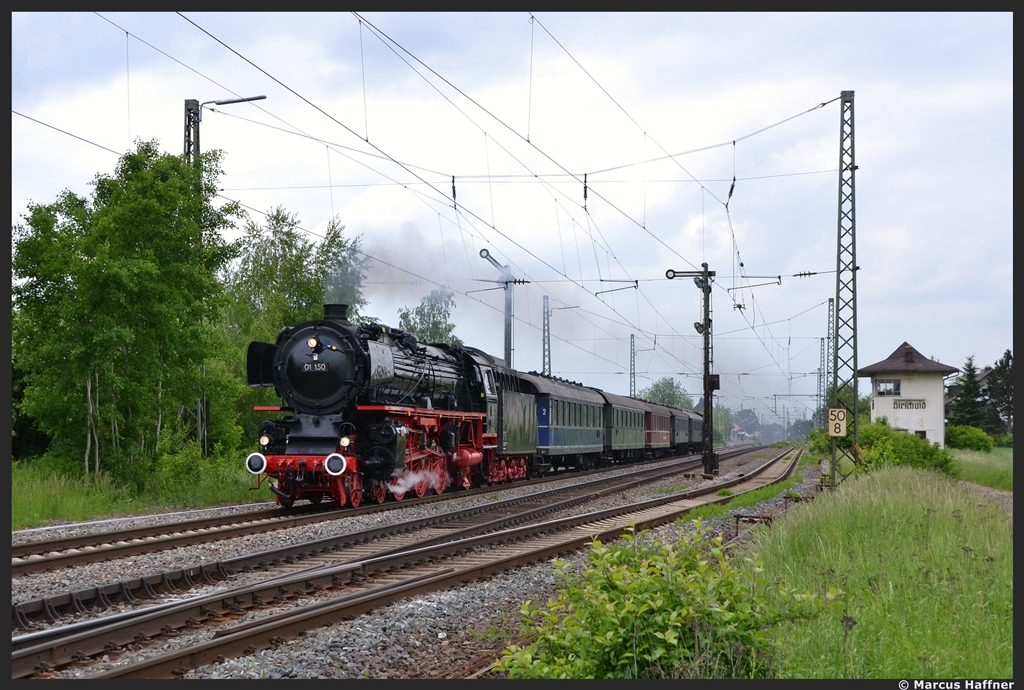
pixel 264 440
pixel 345 441
pixel 256 463
pixel 335 464
pixel 312 342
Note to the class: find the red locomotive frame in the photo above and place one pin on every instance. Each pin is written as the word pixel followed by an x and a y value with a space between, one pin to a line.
pixel 472 461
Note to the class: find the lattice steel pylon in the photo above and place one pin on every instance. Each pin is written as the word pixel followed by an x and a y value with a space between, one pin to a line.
pixel 545 365
pixel 844 353
pixel 820 392
pixel 632 366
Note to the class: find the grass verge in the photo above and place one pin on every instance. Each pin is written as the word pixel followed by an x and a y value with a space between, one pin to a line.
pixel 993 469
pixel 41 497
pixel 927 574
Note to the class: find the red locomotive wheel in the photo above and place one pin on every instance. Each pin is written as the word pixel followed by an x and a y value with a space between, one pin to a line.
pixel 420 488
pixel 440 477
pixel 355 490
pixel 379 491
pixel 398 495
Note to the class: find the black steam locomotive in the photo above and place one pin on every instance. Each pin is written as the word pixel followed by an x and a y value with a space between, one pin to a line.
pixel 372 413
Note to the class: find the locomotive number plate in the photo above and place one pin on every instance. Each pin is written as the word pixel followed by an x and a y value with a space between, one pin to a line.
pixel 314 367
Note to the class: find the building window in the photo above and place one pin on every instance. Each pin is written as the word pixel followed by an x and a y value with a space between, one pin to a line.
pixel 887 387
pixel 921 434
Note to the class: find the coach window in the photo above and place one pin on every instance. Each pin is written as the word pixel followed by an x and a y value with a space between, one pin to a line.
pixel 887 387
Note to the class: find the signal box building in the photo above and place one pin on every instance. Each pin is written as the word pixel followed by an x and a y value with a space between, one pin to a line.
pixel 907 389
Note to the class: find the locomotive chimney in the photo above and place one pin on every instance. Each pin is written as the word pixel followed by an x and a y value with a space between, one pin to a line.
pixel 336 312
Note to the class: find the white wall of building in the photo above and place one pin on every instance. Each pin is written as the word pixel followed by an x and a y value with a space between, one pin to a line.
pixel 918 407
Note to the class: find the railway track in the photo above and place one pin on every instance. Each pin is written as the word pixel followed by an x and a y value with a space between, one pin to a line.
pixel 354 586
pixel 171 583
pixel 41 555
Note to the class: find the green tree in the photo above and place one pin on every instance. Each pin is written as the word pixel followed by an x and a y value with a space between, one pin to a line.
pixel 746 419
pixel 116 294
pixel 281 277
pixel 430 320
pixel 667 391
pixel 1000 389
pixel 721 420
pixel 968 406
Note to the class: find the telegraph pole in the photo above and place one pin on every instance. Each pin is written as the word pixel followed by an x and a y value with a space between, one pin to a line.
pixel 702 279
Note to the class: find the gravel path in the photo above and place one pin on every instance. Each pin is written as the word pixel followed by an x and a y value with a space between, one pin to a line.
pixel 1003 498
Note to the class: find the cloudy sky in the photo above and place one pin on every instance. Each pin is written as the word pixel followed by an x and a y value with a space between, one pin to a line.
pixel 369 117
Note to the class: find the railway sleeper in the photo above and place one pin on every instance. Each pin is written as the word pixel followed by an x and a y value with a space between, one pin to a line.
pixel 126 594
pixel 49 612
pixel 19 619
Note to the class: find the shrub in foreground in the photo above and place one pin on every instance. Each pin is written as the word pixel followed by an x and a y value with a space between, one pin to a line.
pixel 645 609
pixel 969 438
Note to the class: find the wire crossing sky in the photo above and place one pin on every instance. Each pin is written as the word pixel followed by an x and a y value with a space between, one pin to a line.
pixel 590 153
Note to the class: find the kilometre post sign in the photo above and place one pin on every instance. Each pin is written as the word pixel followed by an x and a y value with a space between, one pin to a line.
pixel 837 421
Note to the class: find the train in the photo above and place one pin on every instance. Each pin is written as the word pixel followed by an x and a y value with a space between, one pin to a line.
pixel 372 414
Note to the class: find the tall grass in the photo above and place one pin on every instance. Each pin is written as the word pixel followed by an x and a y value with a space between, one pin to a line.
pixel 42 496
pixel 993 469
pixel 927 574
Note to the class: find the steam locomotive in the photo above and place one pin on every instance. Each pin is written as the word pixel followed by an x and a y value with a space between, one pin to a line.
pixel 373 414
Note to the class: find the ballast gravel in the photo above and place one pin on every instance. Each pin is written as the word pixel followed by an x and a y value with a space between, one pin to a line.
pixel 428 636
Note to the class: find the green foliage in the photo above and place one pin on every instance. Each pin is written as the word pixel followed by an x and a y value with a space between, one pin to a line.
pixel 280 278
pixel 967 408
pixel 1000 389
pixel 721 421
pixel 647 609
pixel 881 445
pixel 667 391
pixel 968 438
pixel 115 295
pixel 430 320
pixel 746 420
pixel 1006 441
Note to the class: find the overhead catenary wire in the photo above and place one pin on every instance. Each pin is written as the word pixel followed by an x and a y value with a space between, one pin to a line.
pixel 593 239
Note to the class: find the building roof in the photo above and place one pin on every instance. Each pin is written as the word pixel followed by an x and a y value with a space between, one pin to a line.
pixel 906 358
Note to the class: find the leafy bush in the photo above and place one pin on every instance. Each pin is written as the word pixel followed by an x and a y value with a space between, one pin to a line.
pixel 882 445
pixel 644 609
pixel 1005 441
pixel 969 438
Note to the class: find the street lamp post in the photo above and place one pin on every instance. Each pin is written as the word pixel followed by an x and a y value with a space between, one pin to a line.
pixel 194 115
pixel 702 279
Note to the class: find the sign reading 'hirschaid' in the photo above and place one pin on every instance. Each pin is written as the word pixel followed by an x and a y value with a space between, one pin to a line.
pixel 908 404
